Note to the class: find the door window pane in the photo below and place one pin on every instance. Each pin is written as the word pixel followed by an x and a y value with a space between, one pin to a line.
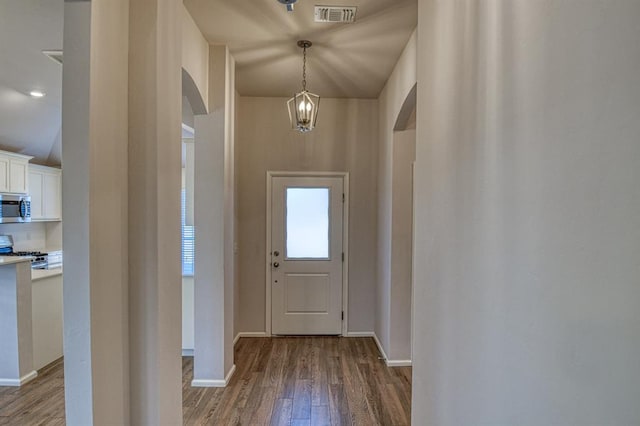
pixel 307 223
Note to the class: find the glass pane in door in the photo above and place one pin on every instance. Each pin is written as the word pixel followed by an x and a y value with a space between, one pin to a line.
pixel 307 223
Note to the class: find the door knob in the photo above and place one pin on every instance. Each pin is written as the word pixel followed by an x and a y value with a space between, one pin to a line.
pixel 276 264
pixel 276 253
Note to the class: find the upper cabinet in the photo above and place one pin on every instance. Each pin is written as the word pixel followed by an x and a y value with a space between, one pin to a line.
pixel 14 172
pixel 45 188
pixel 43 184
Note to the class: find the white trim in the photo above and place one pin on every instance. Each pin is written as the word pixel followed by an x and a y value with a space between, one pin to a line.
pixel 413 250
pixel 187 352
pixel 398 363
pixel 230 374
pixel 214 383
pixel 21 381
pixel 345 250
pixel 361 334
pixel 267 260
pixel 345 243
pixel 248 334
pixel 188 129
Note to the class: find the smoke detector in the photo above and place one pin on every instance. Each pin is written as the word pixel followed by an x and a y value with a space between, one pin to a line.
pixel 335 14
pixel 289 4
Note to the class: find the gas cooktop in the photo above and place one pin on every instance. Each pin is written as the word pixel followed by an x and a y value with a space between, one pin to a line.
pixel 24 253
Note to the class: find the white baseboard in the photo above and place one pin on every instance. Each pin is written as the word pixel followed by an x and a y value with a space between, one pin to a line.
pixel 202 383
pixel 360 334
pixel 398 363
pixel 248 334
pixel 389 362
pixel 187 352
pixel 229 374
pixel 21 381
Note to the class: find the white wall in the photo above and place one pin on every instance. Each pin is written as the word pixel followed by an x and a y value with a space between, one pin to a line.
pixel 528 213
pixel 188 316
pixel 345 139
pixel 53 236
pixel 391 100
pixel 404 154
pixel 236 236
pixel 229 209
pixel 195 55
pixel 32 236
pixel 26 236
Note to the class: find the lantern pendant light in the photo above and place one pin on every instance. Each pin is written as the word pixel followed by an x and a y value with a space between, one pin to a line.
pixel 303 107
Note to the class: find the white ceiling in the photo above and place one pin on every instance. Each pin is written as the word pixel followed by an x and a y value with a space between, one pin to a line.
pixel 346 60
pixel 28 125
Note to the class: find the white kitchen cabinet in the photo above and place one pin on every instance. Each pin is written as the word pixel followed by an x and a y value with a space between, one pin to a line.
pixel 4 174
pixel 46 316
pixel 45 189
pixel 18 176
pixel 14 172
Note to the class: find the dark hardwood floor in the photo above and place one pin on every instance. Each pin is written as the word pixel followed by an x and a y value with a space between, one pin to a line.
pixel 278 381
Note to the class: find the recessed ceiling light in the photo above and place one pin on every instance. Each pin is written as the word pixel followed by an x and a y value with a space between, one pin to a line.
pixel 36 94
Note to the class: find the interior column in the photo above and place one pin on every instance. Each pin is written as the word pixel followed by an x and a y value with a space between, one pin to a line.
pixel 155 277
pixel 213 211
pixel 94 147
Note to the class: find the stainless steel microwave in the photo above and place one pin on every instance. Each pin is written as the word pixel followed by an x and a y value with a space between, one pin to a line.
pixel 15 208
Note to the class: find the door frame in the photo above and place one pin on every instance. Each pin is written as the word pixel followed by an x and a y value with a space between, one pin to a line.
pixel 345 241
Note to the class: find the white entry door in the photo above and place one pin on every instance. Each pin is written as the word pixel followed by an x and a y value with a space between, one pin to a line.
pixel 306 255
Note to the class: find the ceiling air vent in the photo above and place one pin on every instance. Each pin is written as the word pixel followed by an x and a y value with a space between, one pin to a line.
pixel 335 14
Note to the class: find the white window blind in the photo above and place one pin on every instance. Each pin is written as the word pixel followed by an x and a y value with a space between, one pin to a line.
pixel 187 240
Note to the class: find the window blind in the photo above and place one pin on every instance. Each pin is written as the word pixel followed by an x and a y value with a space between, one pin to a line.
pixel 187 239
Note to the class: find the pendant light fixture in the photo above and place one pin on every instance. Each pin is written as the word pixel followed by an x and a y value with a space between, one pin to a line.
pixel 303 107
pixel 289 4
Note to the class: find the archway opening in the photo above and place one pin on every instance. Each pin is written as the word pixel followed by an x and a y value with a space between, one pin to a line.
pixel 403 159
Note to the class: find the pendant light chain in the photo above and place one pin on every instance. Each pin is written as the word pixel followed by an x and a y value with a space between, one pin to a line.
pixel 304 69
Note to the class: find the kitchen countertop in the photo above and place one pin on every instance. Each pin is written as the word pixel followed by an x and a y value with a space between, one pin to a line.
pixel 39 274
pixel 10 260
pixel 36 274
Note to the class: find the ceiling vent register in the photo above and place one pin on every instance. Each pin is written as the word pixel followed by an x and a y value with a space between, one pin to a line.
pixel 335 14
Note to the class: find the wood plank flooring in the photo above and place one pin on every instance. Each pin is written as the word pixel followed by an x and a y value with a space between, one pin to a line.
pixel 278 381
pixel 303 381
pixel 39 402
